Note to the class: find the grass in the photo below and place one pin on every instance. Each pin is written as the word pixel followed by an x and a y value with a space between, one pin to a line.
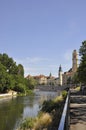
pixel 77 88
pixel 27 124
pixel 43 121
pixel 38 123
pixel 28 92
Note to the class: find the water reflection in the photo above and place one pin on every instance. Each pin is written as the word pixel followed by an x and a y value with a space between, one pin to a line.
pixel 14 110
pixel 9 113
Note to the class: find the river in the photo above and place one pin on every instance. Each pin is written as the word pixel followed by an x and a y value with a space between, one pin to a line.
pixel 14 110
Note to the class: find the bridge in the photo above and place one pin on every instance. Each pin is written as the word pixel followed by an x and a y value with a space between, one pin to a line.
pixel 50 88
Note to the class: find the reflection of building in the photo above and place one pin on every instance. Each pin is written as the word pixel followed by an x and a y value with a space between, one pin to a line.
pixel 69 74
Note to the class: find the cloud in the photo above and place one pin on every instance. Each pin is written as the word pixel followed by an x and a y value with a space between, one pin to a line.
pixel 35 59
pixel 67 64
pixel 36 65
pixel 30 60
pixel 40 65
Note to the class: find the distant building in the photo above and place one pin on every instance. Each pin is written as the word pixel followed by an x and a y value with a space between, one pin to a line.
pixel 70 73
pixel 62 78
pixel 41 79
pixel 50 80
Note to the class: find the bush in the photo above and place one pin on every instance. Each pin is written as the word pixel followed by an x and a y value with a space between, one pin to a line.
pixel 43 121
pixel 49 116
pixel 27 124
pixel 20 88
pixel 64 94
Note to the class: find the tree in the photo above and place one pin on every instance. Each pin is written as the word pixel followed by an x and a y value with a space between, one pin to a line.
pixel 69 80
pixel 20 70
pixel 31 83
pixel 5 79
pixel 75 79
pixel 11 75
pixel 82 66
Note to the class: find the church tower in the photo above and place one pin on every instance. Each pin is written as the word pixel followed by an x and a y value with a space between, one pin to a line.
pixel 60 75
pixel 74 61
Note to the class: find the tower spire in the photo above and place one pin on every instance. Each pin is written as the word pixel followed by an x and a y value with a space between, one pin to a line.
pixel 60 75
pixel 60 68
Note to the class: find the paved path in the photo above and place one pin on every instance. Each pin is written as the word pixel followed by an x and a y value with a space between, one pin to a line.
pixel 77 112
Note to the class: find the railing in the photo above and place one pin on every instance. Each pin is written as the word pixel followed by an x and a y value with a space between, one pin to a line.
pixel 64 122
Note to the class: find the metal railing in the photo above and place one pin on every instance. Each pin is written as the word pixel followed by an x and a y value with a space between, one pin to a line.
pixel 64 122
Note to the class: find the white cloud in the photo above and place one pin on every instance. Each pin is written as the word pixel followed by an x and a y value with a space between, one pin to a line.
pixel 31 60
pixel 36 65
pixel 67 64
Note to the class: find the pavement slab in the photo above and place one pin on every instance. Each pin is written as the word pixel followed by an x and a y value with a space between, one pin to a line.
pixel 77 112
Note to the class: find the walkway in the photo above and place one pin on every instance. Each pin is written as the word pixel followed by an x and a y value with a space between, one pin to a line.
pixel 77 111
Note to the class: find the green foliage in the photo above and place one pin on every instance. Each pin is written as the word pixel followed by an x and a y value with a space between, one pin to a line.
pixel 75 79
pixel 31 83
pixel 49 116
pixel 29 92
pixel 20 70
pixel 77 88
pixel 82 67
pixel 11 75
pixel 82 50
pixel 27 124
pixel 69 80
pixel 64 94
pixel 5 79
pixel 50 105
pixel 19 88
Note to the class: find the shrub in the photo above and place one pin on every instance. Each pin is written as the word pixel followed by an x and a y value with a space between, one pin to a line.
pixel 43 121
pixel 64 94
pixel 27 124
pixel 20 88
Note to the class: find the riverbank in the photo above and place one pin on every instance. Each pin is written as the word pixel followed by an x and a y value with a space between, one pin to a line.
pixel 9 94
pixel 49 116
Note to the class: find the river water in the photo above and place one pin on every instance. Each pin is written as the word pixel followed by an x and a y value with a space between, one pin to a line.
pixel 14 110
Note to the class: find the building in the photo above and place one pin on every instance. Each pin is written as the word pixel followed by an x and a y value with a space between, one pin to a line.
pixel 63 78
pixel 50 80
pixel 44 80
pixel 67 76
pixel 60 76
pixel 41 79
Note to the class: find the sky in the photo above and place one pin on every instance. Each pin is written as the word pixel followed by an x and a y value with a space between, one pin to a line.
pixel 42 34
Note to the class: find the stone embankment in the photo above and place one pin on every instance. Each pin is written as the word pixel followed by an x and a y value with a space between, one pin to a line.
pixel 11 93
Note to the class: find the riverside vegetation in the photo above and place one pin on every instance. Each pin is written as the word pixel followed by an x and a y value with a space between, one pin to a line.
pixel 49 116
pixel 12 77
